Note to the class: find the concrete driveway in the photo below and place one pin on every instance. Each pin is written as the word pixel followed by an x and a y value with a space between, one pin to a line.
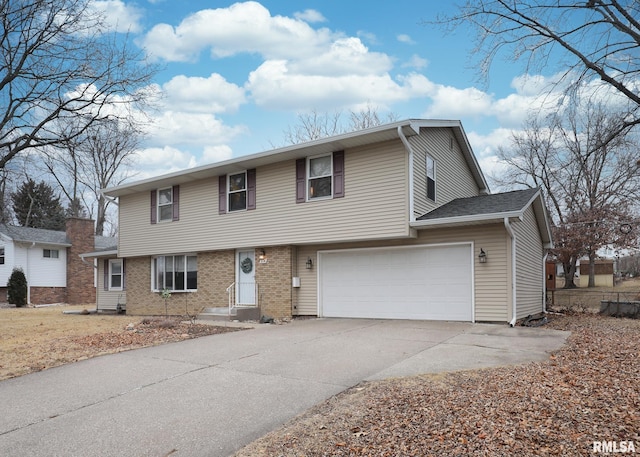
pixel 210 396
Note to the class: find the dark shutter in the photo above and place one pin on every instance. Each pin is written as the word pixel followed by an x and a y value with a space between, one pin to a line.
pixel 338 174
pixel 106 274
pixel 154 206
pixel 301 166
pixel 124 275
pixel 176 203
pixel 222 194
pixel 251 189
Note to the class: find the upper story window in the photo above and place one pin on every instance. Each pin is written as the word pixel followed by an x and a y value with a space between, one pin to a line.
pixel 115 274
pixel 237 191
pixel 165 204
pixel 320 177
pixel 50 253
pixel 177 273
pixel 1 256
pixel 431 178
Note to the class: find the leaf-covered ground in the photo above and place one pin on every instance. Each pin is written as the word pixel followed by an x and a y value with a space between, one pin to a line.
pixel 587 391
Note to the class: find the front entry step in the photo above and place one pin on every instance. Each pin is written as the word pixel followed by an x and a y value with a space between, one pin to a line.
pixel 237 314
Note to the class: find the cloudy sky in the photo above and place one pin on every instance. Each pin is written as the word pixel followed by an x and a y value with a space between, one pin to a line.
pixel 235 75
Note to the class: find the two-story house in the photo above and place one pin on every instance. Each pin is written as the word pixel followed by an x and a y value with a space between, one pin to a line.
pixel 394 221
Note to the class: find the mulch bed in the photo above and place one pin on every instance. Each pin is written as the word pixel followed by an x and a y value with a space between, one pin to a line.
pixel 588 391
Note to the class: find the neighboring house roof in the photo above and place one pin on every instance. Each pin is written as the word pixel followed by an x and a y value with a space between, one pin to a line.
pixel 34 235
pixel 386 132
pixel 53 237
pixel 486 208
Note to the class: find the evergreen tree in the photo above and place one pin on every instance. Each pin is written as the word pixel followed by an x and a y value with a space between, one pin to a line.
pixel 36 205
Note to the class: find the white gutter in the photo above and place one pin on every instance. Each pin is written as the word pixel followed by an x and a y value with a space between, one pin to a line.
pixel 33 243
pixel 466 219
pixel 512 234
pixel 407 146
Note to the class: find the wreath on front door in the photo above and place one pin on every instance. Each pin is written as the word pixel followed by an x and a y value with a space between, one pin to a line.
pixel 246 265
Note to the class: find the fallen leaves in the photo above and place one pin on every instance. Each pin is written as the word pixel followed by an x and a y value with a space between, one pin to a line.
pixel 587 391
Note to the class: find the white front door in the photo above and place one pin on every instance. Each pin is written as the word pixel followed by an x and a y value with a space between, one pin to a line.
pixel 245 278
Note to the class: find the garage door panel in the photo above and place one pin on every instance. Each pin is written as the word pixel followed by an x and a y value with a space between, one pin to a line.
pixel 417 283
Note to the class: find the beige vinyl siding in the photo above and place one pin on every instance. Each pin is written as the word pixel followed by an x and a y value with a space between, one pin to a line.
pixel 529 256
pixel 492 292
pixel 107 300
pixel 375 206
pixel 305 297
pixel 453 178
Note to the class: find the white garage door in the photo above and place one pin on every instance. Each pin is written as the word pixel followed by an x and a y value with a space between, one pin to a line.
pixel 432 283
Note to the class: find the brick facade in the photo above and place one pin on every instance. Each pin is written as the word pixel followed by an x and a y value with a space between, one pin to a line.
pixel 274 282
pixel 80 275
pixel 216 272
pixel 47 295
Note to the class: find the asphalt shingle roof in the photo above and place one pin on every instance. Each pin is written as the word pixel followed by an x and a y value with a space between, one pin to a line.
pixel 43 236
pixel 482 204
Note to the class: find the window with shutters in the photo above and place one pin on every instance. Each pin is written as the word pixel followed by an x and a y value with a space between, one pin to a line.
pixel 431 178
pixel 165 204
pixel 115 274
pixel 320 177
pixel 237 191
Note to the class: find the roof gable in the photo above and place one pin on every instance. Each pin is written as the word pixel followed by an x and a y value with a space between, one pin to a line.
pixel 386 132
pixel 491 207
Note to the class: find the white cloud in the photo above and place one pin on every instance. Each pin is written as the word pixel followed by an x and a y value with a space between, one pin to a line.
pixel 346 56
pixel 203 95
pixel 453 103
pixel 274 86
pixel 183 128
pixel 156 161
pixel 416 62
pixel 404 38
pixel 118 16
pixel 219 153
pixel 310 15
pixel 241 28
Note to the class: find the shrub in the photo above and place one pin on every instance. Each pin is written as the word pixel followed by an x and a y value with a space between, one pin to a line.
pixel 17 288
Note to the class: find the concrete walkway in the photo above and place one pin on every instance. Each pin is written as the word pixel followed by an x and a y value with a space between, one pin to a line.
pixel 210 396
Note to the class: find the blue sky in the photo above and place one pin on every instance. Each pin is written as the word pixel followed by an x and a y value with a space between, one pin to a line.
pixel 235 75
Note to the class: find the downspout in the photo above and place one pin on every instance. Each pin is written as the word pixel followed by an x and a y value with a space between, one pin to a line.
pixel 409 149
pixel 544 282
pixel 512 234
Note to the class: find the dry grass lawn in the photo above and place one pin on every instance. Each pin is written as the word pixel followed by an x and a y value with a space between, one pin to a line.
pixel 34 339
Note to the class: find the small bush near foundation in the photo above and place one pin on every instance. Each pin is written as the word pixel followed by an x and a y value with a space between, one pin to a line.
pixel 17 288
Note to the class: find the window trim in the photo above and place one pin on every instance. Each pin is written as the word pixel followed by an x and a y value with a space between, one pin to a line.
pixel 428 178
pixel 51 251
pixel 154 273
pixel 245 190
pixel 111 275
pixel 308 177
pixel 159 205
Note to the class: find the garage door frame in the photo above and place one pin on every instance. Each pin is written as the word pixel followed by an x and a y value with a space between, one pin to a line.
pixel 470 244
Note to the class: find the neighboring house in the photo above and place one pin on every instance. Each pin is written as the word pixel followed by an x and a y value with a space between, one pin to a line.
pixel 50 260
pixel 395 221
pixel 603 273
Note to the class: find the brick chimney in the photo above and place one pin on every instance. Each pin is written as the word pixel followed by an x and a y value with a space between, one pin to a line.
pixel 80 288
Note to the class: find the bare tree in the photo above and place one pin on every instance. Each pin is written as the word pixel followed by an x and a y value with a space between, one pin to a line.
pixel 314 125
pixel 59 63
pixel 101 157
pixel 590 185
pixel 588 40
